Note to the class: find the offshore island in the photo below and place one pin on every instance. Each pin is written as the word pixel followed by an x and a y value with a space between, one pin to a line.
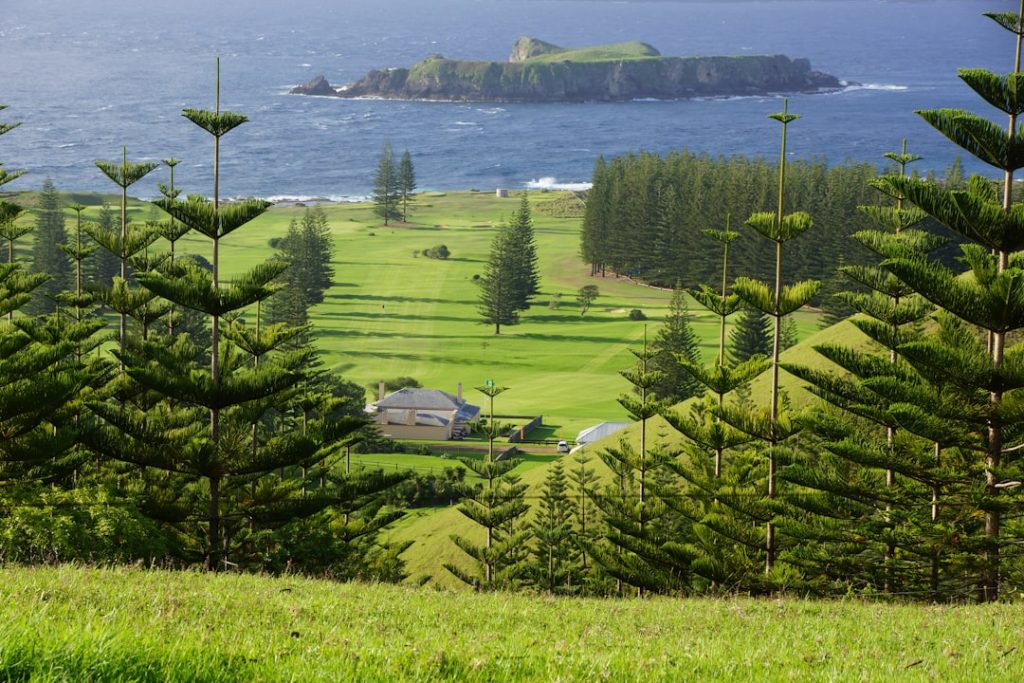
pixel 538 71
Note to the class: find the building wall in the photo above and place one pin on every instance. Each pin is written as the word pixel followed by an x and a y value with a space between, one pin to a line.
pixel 424 432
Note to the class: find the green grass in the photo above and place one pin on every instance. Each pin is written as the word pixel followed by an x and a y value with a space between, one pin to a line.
pixel 616 52
pixel 394 314
pixel 74 624
pixel 436 464
pixel 430 528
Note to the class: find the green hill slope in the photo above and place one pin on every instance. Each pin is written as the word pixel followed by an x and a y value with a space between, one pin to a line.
pixel 629 50
pixel 430 528
pixel 75 624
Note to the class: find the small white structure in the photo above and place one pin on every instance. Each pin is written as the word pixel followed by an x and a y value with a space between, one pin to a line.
pixel 598 432
pixel 501 193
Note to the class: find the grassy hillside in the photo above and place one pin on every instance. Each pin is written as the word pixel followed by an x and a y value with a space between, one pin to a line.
pixel 630 50
pixel 394 312
pixel 430 528
pixel 72 624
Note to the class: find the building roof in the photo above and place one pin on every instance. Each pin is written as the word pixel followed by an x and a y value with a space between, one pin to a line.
pixel 467 413
pixel 598 432
pixel 424 400
pixel 420 399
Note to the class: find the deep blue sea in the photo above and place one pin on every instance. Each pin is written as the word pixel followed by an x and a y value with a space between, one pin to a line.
pixel 88 76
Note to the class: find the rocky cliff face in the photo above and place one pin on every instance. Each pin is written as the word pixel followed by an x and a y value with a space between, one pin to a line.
pixel 527 48
pixel 537 75
pixel 317 86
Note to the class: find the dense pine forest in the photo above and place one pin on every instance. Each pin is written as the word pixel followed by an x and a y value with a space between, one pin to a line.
pixel 153 410
pixel 646 214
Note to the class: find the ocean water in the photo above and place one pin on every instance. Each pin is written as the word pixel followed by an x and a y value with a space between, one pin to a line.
pixel 87 77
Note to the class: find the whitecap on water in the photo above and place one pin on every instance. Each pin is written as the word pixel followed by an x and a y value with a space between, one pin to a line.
pixel 551 183
pixel 876 86
pixel 317 199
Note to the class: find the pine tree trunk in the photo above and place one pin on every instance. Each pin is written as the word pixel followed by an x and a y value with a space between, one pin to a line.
pixel 213 559
pixel 990 577
pixel 769 537
pixel 122 335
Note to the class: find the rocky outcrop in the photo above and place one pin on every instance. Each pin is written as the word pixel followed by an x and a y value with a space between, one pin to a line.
pixel 527 48
pixel 538 74
pixel 317 86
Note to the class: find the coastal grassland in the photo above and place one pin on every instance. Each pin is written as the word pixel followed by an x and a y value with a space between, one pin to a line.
pixel 436 464
pixel 77 624
pixel 394 312
pixel 615 52
pixel 430 528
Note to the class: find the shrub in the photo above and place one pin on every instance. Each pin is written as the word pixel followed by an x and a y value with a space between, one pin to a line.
pixel 438 252
pixel 87 524
pixel 395 384
pixel 637 314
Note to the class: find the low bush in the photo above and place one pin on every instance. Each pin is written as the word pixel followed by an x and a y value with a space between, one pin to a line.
pixel 439 252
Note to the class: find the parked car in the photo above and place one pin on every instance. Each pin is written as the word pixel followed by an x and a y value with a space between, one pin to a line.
pixel 562 447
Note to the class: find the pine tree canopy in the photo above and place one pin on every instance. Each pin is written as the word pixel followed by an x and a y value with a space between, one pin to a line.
pixel 386 187
pixel 980 137
pixel 674 344
pixel 200 214
pixel 193 287
pixel 499 299
pixel 750 336
pixel 47 255
pixel 125 173
pixel 216 124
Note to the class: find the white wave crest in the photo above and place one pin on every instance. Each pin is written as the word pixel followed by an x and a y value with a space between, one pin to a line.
pixel 550 183
pixel 876 86
pixel 317 199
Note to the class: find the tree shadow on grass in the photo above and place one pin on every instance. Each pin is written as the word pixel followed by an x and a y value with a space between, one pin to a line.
pixel 384 315
pixel 400 299
pixel 575 338
pixel 431 358
pixel 369 334
pixel 390 264
pixel 568 319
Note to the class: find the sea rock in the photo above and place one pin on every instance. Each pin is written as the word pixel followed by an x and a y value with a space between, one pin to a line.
pixel 527 48
pixel 542 72
pixel 317 86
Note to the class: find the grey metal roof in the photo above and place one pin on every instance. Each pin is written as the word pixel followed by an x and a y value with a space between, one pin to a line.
pixel 420 399
pixel 428 399
pixel 467 413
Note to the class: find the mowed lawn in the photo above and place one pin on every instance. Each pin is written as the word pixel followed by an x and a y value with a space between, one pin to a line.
pixel 76 624
pixel 394 312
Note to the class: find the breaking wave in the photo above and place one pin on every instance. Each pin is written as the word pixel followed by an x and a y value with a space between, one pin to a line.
pixel 550 183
